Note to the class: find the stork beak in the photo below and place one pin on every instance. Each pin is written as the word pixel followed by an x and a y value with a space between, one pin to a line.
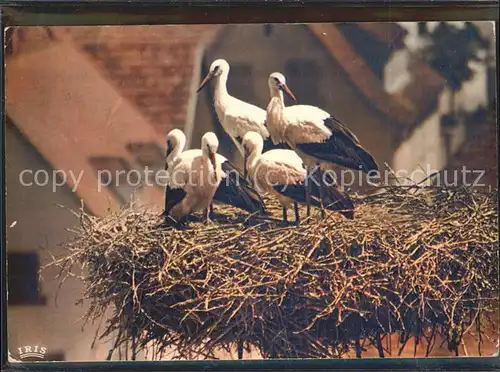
pixel 214 164
pixel 287 91
pixel 205 81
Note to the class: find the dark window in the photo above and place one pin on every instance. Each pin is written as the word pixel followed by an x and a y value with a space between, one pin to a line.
pixel 302 77
pixel 150 155
pixel 240 82
pixel 116 174
pixel 23 286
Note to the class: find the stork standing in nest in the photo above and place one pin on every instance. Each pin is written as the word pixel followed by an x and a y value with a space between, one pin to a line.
pixel 281 173
pixel 236 116
pixel 232 189
pixel 192 183
pixel 317 136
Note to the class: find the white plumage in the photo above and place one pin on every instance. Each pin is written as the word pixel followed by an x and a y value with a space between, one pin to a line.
pixel 281 173
pixel 236 116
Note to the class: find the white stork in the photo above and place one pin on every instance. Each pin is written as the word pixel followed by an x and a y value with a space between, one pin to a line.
pixel 317 136
pixel 232 189
pixel 281 173
pixel 236 116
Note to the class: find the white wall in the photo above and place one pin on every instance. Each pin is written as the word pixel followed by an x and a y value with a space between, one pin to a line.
pixel 396 72
pixel 425 146
pixel 474 93
pixel 423 152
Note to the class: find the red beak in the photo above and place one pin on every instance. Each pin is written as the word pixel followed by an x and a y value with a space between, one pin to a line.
pixel 287 91
pixel 205 81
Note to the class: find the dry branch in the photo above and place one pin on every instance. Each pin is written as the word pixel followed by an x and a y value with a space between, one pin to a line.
pixel 419 261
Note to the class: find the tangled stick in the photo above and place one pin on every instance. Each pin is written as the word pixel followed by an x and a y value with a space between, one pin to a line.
pixel 422 262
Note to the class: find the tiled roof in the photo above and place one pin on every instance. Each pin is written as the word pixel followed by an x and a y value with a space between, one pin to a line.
pixel 74 116
pixel 151 65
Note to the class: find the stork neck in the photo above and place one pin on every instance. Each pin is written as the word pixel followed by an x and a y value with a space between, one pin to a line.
pixel 277 101
pixel 221 86
pixel 276 104
pixel 178 148
pixel 277 96
pixel 275 110
pixel 254 156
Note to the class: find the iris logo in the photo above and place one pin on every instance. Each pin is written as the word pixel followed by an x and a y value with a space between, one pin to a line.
pixel 32 353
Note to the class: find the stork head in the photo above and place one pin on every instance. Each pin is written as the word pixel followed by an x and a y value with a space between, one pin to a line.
pixel 176 139
pixel 277 82
pixel 217 68
pixel 209 146
pixel 252 145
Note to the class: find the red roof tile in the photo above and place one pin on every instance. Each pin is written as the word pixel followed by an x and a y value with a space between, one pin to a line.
pixel 152 65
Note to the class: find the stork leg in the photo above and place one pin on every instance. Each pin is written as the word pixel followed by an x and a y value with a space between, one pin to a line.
pixel 285 215
pixel 321 194
pixel 297 214
pixel 211 212
pixel 308 192
pixel 206 213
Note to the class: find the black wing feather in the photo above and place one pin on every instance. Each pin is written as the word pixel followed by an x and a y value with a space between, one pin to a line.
pixel 268 144
pixel 297 192
pixel 236 191
pixel 333 198
pixel 173 197
pixel 342 148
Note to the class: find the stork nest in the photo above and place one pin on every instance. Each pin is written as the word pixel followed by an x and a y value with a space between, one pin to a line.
pixel 421 262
